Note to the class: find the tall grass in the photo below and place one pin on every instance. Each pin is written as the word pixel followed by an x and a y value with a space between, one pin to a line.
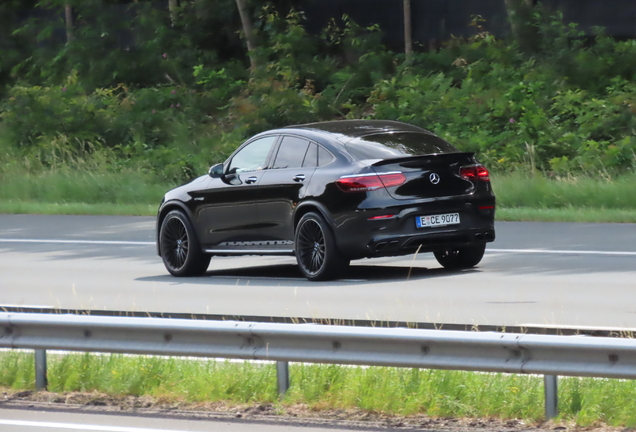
pixel 68 172
pixel 521 189
pixel 59 187
pixel 391 391
pixel 520 195
pixel 568 214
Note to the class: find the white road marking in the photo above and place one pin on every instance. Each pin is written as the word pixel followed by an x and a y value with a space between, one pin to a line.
pixel 83 427
pixel 148 243
pixel 561 252
pixel 93 242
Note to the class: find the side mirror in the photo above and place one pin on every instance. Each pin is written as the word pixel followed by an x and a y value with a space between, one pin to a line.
pixel 216 171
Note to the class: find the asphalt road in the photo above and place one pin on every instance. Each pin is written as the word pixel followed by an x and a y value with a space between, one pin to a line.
pixel 33 420
pixel 561 274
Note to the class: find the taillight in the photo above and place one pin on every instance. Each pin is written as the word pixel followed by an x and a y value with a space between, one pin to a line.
pixel 474 172
pixel 370 182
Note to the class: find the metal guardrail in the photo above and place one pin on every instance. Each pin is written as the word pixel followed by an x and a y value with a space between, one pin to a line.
pixel 525 329
pixel 398 347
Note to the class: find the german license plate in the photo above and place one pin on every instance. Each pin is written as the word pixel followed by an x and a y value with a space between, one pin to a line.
pixel 437 220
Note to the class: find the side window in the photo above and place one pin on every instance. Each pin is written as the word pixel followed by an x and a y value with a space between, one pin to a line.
pixel 252 157
pixel 291 153
pixel 324 157
pixel 311 158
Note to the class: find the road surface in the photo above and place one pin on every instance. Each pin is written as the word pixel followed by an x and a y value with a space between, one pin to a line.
pixel 562 274
pixel 35 420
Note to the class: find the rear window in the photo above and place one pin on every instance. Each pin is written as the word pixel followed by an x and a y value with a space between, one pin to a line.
pixel 399 144
pixel 291 153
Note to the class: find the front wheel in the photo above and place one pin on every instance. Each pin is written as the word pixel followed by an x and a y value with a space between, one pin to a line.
pixel 180 247
pixel 461 258
pixel 315 247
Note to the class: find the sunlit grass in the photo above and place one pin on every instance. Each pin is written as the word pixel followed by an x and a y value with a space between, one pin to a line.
pixel 524 190
pixel 21 207
pixel 570 214
pixel 534 197
pixel 62 188
pixel 70 192
pixel 392 391
pixel 520 196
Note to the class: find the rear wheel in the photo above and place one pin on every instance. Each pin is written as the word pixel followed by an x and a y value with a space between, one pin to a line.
pixel 316 252
pixel 461 258
pixel 180 248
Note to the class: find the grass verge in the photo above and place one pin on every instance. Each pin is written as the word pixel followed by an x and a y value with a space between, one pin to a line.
pixel 29 207
pixel 570 214
pixel 520 196
pixel 389 391
pixel 527 190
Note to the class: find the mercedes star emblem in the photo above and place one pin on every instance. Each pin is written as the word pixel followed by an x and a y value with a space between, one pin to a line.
pixel 434 178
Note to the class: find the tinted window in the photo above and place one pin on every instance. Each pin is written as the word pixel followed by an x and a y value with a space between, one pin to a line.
pixel 311 158
pixel 324 157
pixel 399 144
pixel 253 156
pixel 291 153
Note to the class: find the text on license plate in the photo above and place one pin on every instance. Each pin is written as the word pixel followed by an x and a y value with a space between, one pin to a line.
pixel 437 220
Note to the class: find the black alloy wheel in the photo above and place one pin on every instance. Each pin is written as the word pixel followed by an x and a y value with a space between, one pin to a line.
pixel 180 247
pixel 461 258
pixel 315 247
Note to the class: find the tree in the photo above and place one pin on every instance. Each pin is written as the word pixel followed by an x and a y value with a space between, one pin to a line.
pixel 520 16
pixel 68 18
pixel 248 29
pixel 172 7
pixel 408 38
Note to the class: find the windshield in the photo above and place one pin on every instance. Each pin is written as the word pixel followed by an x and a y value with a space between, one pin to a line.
pixel 398 144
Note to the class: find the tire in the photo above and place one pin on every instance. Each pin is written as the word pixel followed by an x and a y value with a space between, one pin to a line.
pixel 315 249
pixel 461 258
pixel 180 247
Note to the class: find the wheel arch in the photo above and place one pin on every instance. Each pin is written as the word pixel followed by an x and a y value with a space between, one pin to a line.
pixel 163 211
pixel 309 206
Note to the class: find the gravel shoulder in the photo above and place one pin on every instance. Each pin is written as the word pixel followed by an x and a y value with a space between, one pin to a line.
pixel 294 415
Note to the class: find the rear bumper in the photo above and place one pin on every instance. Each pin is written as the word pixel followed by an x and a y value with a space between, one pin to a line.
pixel 429 242
pixel 358 236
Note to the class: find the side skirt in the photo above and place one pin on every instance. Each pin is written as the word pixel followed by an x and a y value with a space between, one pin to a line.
pixel 238 252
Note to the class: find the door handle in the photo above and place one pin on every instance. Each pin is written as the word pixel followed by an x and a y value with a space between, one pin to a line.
pixel 251 180
pixel 299 177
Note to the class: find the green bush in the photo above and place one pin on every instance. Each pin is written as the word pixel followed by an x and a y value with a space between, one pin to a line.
pixel 517 112
pixel 155 129
pixel 569 107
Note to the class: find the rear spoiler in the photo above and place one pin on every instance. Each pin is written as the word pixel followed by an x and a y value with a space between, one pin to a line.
pixel 426 159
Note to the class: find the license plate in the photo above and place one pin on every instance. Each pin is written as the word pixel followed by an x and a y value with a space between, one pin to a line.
pixel 437 220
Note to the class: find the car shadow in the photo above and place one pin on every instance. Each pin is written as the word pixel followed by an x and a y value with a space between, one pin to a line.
pixel 288 273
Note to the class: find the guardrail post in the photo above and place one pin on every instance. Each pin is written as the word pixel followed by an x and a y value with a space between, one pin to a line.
pixel 550 387
pixel 40 370
pixel 282 376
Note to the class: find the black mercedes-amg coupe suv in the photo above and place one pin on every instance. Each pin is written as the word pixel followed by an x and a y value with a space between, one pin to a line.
pixel 329 193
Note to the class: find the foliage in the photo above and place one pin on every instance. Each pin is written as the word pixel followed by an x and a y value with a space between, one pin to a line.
pixel 519 112
pixel 54 126
pixel 303 79
pixel 121 42
pixel 157 98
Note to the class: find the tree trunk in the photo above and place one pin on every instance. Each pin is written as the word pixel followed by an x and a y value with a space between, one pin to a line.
pixel 246 21
pixel 408 34
pixel 68 17
pixel 172 7
pixel 520 15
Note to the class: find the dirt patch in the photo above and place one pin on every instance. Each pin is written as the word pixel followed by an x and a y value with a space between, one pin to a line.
pixel 277 413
